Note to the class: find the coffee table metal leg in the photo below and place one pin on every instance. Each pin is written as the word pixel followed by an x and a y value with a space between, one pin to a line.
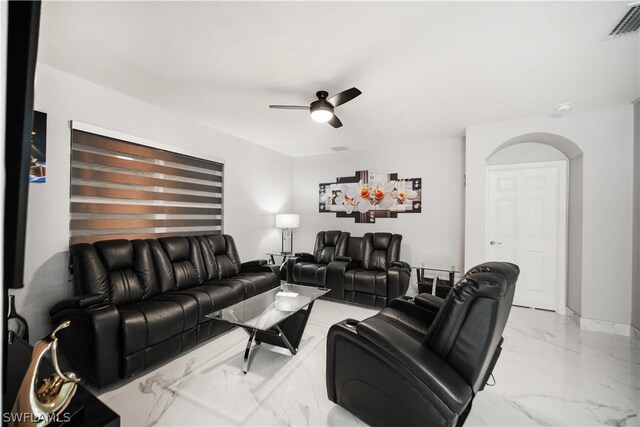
pixel 248 350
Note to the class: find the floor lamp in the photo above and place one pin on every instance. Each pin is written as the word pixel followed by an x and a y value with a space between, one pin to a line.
pixel 287 222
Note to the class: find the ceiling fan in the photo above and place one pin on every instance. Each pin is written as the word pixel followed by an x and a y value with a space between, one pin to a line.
pixel 322 109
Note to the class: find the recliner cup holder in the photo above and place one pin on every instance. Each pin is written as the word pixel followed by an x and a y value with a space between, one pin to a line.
pixel 406 298
pixel 352 323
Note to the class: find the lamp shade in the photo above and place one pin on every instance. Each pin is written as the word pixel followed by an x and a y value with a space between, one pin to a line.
pixel 287 221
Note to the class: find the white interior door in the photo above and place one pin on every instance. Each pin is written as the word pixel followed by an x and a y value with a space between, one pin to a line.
pixel 526 224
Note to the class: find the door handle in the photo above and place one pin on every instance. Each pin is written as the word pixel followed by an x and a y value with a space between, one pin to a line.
pixel 493 242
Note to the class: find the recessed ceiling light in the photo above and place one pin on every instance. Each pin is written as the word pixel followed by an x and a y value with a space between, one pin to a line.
pixel 563 108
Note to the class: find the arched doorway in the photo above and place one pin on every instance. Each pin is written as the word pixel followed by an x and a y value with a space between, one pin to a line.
pixel 536 153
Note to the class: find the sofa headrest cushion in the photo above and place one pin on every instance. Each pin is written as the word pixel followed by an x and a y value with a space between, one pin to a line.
pixel 508 270
pixel 218 244
pixel 331 237
pixel 483 285
pixel 176 247
pixel 381 240
pixel 115 254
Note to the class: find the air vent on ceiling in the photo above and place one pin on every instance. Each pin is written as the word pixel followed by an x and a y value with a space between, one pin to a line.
pixel 629 22
pixel 341 148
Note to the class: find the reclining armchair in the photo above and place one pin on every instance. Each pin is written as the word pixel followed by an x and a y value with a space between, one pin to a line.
pixel 421 361
pixel 311 269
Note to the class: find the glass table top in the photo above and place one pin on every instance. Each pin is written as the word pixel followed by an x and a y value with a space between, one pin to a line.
pixel 453 269
pixel 260 312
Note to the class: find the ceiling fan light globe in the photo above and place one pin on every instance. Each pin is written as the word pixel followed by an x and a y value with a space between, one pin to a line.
pixel 321 111
pixel 321 115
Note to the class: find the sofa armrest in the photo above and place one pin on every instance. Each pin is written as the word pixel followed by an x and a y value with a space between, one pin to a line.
pixel 91 343
pixel 253 265
pixel 335 277
pixel 306 255
pixel 401 264
pixel 407 305
pixel 79 301
pixel 398 278
pixel 299 257
pixel 343 258
pixel 429 302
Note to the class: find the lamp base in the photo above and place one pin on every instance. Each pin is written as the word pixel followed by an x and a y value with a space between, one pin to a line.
pixel 287 241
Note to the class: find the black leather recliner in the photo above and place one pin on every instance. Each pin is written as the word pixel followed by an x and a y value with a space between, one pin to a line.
pixel 363 270
pixel 422 361
pixel 141 302
pixel 311 269
pixel 415 314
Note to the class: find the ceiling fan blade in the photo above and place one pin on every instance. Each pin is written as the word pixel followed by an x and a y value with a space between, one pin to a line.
pixel 335 122
pixel 289 107
pixel 344 96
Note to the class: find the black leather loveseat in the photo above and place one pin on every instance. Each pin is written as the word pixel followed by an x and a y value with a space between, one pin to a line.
pixel 422 361
pixel 141 302
pixel 364 270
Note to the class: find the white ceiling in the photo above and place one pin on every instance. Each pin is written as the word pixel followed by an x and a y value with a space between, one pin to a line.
pixel 426 69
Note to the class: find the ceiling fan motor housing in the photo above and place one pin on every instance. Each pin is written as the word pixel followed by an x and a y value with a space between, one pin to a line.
pixel 321 104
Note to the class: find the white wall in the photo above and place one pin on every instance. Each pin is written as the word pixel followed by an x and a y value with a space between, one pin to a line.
pixel 258 181
pixel 574 239
pixel 432 238
pixel 635 308
pixel 606 139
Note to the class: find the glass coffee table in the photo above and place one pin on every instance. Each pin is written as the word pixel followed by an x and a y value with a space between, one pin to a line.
pixel 280 323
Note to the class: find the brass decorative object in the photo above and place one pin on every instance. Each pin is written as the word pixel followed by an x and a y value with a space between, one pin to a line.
pixel 40 402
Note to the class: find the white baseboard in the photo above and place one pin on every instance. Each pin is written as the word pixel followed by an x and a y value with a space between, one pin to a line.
pixel 575 317
pixel 603 325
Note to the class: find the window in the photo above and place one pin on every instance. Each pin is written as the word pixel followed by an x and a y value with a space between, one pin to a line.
pixel 122 190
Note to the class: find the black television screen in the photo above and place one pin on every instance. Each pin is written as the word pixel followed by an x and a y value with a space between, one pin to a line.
pixel 22 48
pixel 23 25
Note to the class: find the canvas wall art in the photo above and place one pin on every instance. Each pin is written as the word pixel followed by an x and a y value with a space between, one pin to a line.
pixel 368 195
pixel 38 157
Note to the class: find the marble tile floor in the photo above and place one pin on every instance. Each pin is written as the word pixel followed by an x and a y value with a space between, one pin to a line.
pixel 550 373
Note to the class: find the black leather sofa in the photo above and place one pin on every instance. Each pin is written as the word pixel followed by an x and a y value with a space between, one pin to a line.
pixel 363 270
pixel 141 302
pixel 421 361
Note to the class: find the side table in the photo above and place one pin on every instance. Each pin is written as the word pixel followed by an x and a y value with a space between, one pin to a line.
pixel 283 265
pixel 432 285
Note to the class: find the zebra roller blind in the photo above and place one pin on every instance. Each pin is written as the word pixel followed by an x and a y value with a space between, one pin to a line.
pixel 122 190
